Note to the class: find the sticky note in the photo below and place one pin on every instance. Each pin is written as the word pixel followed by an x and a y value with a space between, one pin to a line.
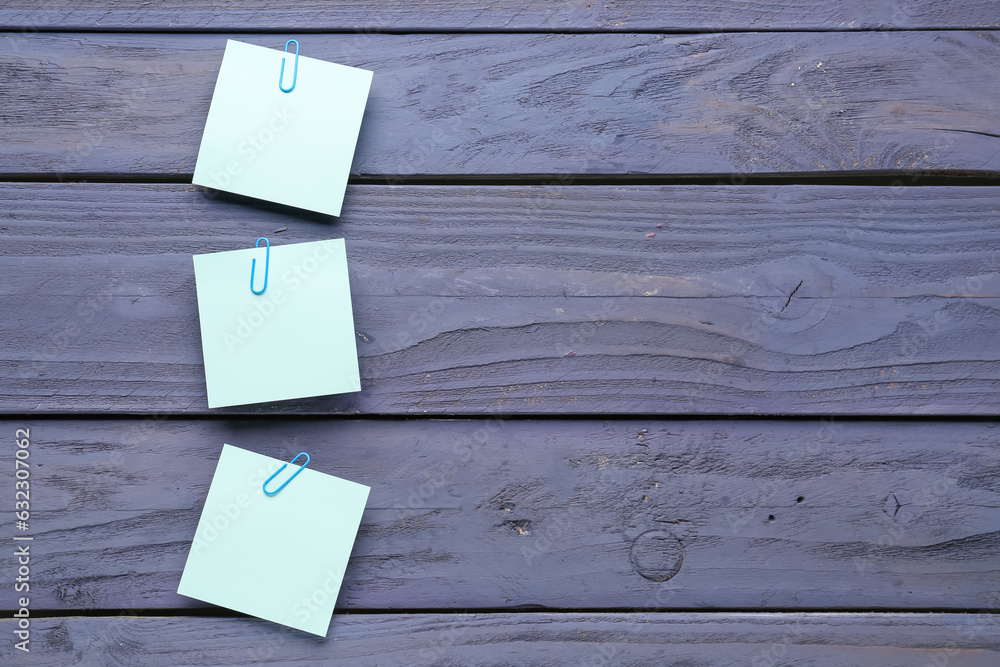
pixel 294 340
pixel 281 558
pixel 292 148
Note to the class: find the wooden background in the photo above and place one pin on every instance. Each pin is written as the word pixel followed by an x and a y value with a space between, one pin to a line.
pixel 678 323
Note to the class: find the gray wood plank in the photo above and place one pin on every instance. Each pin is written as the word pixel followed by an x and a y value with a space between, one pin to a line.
pixel 692 639
pixel 446 105
pixel 563 514
pixel 750 300
pixel 457 15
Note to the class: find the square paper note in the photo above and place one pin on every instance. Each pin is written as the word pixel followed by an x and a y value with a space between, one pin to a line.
pixel 281 557
pixel 292 148
pixel 295 340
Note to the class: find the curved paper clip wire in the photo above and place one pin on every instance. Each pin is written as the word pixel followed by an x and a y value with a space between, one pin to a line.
pixel 283 466
pixel 295 73
pixel 267 265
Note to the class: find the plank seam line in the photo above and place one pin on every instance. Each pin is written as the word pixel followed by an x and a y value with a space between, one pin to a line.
pixel 405 31
pixel 214 612
pixel 853 178
pixel 466 417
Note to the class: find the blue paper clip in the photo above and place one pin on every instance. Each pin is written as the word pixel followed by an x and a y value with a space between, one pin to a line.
pixel 295 74
pixel 267 265
pixel 283 466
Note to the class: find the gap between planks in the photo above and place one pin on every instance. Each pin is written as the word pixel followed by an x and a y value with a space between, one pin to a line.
pixel 937 178
pixel 553 640
pixel 527 610
pixel 470 16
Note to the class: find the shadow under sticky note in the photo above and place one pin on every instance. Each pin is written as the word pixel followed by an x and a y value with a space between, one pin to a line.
pixel 295 340
pixel 292 148
pixel 281 558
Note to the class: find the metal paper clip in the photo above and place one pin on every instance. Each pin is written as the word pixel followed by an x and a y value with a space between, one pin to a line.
pixel 267 265
pixel 283 466
pixel 295 74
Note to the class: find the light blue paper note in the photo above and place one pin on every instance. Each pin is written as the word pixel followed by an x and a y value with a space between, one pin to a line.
pixel 295 340
pixel 291 148
pixel 281 558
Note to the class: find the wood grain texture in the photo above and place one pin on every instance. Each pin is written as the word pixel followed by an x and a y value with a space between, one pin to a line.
pixel 692 639
pixel 458 15
pixel 463 105
pixel 751 300
pixel 562 514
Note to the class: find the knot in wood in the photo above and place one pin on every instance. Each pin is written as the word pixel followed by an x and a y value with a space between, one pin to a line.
pixel 657 555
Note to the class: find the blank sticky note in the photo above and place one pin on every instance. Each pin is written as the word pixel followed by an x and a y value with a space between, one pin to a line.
pixel 292 148
pixel 295 340
pixel 281 558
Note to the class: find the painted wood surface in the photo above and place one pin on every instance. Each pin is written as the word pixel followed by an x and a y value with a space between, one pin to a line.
pixel 644 537
pixel 695 640
pixel 562 514
pixel 465 15
pixel 517 300
pixel 475 105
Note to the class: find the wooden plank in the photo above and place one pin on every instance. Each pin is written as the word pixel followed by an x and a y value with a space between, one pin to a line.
pixel 876 640
pixel 458 15
pixel 750 300
pixel 532 300
pixel 563 514
pixel 446 105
